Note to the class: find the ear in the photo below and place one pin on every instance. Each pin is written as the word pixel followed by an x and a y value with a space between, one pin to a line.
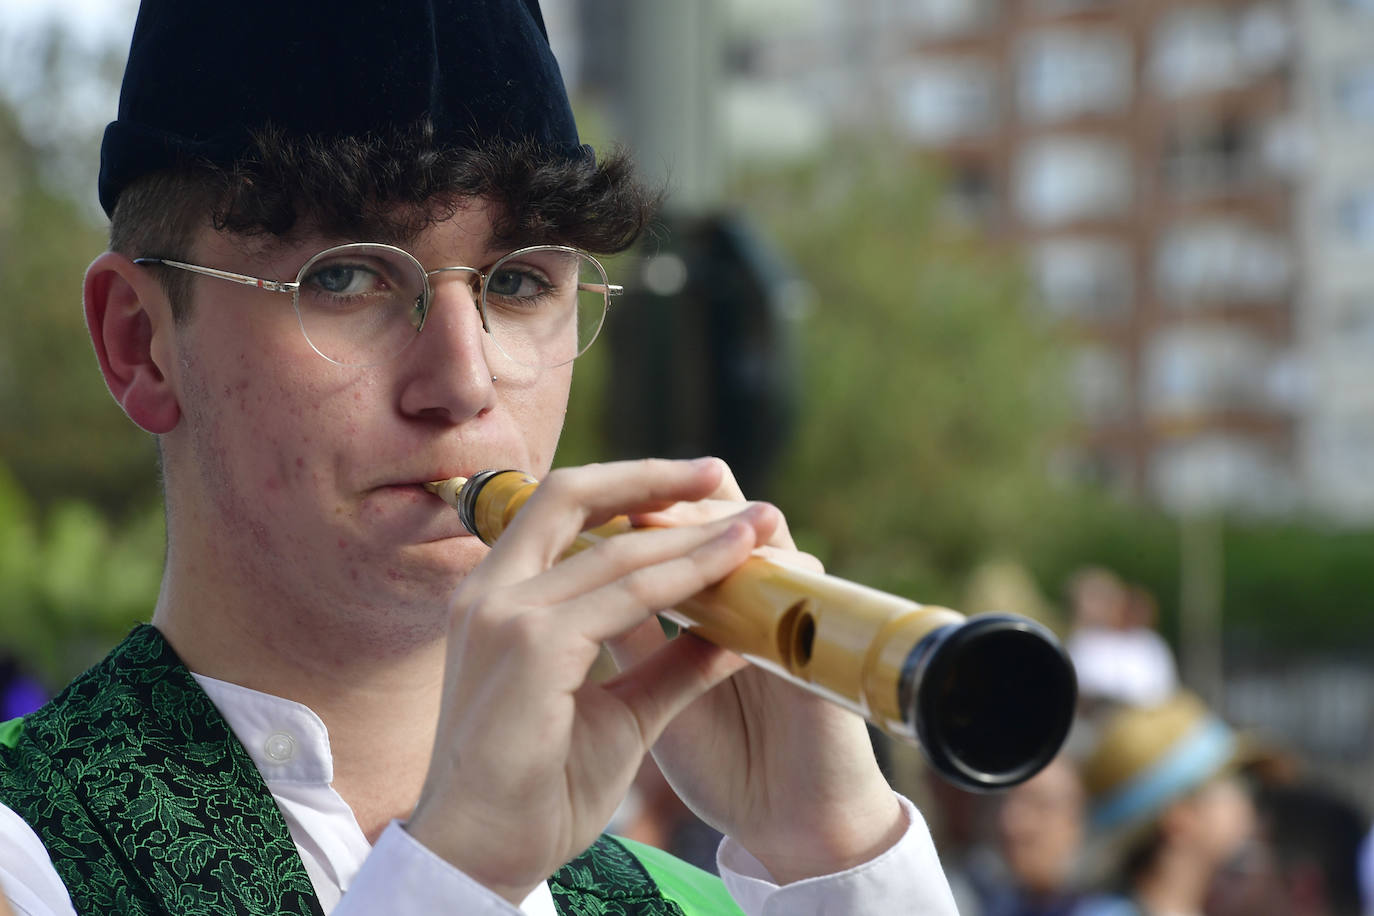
pixel 130 323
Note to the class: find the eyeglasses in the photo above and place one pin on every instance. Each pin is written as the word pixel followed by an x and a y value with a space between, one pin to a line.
pixel 362 304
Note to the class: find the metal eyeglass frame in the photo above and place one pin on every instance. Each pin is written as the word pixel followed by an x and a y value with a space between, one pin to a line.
pixel 427 297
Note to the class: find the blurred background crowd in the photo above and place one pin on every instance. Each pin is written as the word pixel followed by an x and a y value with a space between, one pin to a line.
pixel 1058 307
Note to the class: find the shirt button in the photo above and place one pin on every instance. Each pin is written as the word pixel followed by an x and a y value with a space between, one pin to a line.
pixel 279 747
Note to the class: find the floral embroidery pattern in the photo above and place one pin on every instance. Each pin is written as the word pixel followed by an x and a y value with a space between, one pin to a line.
pixel 146 802
pixel 607 880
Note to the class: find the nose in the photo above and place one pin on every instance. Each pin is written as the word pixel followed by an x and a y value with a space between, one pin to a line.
pixel 446 373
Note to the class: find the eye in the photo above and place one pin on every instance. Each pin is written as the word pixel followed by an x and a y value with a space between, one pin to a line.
pixel 517 281
pixel 346 279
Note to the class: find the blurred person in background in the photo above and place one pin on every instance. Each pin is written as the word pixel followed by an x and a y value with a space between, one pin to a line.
pixel 1168 806
pixel 1119 656
pixel 1305 862
pixel 1040 826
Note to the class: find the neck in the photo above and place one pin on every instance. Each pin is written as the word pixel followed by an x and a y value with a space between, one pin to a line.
pixel 1175 885
pixel 376 692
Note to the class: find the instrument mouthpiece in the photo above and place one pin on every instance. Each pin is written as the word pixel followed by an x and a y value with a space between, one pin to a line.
pixel 447 490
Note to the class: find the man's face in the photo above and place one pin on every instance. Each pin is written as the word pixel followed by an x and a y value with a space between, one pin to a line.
pixel 1041 828
pixel 299 477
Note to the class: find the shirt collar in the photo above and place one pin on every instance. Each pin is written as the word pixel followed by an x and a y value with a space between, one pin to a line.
pixel 286 740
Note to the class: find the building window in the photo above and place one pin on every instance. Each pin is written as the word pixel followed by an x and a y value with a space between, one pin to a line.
pixel 1353 93
pixel 1069 73
pixel 1355 217
pixel 971 195
pixel 944 100
pixel 1219 470
pixel 944 18
pixel 1195 370
pixel 1063 179
pixel 1353 324
pixel 1069 6
pixel 1208 156
pixel 1215 261
pixel 1337 462
pixel 1208 48
pixel 1085 279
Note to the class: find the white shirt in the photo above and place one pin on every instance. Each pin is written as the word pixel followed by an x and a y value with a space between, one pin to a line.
pixel 1134 666
pixel 400 877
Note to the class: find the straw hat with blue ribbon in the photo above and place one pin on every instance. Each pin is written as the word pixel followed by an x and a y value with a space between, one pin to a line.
pixel 1147 757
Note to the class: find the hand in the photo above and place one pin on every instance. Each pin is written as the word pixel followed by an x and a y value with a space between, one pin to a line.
pixel 788 775
pixel 530 760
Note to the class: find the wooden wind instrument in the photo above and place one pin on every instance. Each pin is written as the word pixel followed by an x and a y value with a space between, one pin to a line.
pixel 989 699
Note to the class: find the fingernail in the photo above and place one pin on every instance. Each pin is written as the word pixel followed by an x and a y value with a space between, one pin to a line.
pixel 760 511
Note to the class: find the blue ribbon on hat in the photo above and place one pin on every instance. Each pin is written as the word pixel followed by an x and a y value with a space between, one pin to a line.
pixel 1198 755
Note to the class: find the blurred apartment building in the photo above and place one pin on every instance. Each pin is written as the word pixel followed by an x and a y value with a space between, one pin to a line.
pixel 1192 184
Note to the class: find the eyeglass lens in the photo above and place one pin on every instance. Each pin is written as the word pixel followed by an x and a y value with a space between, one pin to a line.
pixel 363 304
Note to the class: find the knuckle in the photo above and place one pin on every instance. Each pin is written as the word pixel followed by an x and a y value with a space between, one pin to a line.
pixel 559 483
pixel 642 589
pixel 527 634
pixel 481 612
pixel 622 553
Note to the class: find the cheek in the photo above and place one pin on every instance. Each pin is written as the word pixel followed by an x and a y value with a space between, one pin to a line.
pixel 280 415
pixel 541 416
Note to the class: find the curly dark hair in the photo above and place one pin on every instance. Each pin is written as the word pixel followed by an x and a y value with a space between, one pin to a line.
pixel 381 188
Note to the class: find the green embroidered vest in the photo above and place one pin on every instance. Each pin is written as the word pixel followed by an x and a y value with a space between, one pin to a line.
pixel 147 804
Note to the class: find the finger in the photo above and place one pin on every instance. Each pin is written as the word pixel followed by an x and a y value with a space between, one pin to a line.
pixel 633 646
pixel 628 554
pixel 620 605
pixel 558 640
pixel 690 513
pixel 667 681
pixel 728 488
pixel 571 499
pixel 785 556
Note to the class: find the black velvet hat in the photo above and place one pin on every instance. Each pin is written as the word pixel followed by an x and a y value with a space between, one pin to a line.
pixel 203 76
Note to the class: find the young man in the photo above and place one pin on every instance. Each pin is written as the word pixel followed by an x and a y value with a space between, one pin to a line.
pixel 339 237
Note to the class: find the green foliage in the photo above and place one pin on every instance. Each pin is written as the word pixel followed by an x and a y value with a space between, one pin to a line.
pixel 1285 585
pixel 62 436
pixel 931 400
pixel 72 583
pixel 80 546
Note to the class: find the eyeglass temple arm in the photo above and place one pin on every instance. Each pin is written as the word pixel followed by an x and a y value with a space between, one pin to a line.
pixel 276 286
pixel 610 289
